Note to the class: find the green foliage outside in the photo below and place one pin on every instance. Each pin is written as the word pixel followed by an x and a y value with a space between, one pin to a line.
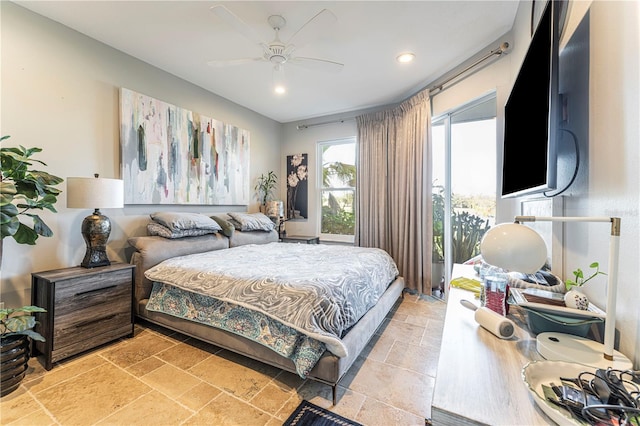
pixel 338 216
pixel 467 229
pixel 341 222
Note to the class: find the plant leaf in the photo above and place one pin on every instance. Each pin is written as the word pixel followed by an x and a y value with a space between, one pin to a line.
pixel 9 227
pixel 33 335
pixel 40 227
pixel 20 323
pixel 25 235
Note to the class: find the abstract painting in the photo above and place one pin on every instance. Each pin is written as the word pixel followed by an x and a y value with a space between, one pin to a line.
pixel 297 172
pixel 171 155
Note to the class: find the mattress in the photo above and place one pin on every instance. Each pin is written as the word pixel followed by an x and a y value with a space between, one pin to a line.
pixel 316 291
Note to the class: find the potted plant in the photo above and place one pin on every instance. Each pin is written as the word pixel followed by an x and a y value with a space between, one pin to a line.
pixel 16 328
pixel 22 190
pixel 265 187
pixel 574 298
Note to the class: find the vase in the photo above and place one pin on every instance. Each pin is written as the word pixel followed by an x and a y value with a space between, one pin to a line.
pixel 14 356
pixel 576 299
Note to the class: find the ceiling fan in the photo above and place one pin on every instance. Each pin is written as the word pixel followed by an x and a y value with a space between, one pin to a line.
pixel 277 52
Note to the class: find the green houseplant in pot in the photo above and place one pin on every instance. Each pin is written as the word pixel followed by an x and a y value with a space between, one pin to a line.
pixel 16 328
pixel 24 190
pixel 574 298
pixel 265 187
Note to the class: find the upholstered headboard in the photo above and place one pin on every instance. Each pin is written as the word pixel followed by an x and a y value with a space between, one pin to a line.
pixel 148 251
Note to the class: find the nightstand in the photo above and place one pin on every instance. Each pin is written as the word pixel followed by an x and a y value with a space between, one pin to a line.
pixel 86 307
pixel 300 239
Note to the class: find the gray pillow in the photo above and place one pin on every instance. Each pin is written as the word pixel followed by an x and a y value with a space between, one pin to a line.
pixel 156 229
pixel 184 221
pixel 253 221
pixel 227 227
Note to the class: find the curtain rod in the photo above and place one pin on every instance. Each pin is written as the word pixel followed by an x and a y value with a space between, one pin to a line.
pixel 324 123
pixel 503 48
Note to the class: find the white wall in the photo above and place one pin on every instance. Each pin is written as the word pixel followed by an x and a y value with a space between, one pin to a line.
pixel 60 93
pixel 614 181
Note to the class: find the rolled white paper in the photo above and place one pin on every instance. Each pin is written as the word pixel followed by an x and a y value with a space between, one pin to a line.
pixel 502 327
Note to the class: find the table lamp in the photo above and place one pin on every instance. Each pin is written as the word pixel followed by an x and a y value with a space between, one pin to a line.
pixel 516 247
pixel 275 209
pixel 95 193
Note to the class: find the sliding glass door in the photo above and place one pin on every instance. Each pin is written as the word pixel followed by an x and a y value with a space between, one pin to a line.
pixel 464 184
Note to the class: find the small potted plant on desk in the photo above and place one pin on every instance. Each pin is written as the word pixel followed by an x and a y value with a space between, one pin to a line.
pixel 574 298
pixel 16 330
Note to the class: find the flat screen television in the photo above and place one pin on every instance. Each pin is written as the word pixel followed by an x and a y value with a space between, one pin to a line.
pixel 532 113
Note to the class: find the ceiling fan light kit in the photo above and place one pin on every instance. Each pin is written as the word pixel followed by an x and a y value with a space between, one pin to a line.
pixel 277 52
pixel 279 86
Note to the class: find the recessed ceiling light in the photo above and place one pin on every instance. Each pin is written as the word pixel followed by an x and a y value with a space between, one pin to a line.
pixel 280 90
pixel 406 57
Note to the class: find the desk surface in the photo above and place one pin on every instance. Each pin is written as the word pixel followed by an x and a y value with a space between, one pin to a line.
pixel 479 375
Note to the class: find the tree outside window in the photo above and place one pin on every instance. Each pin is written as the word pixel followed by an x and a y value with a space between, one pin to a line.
pixel 338 190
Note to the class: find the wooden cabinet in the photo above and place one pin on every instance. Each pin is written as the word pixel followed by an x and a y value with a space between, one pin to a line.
pixel 479 376
pixel 86 307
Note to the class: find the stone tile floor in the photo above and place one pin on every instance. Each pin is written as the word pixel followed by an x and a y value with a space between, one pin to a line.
pixel 164 378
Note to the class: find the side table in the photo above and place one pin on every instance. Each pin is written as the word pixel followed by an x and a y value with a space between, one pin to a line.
pixel 86 307
pixel 300 239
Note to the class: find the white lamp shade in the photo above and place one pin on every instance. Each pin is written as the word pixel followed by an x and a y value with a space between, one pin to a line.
pixel 94 193
pixel 514 247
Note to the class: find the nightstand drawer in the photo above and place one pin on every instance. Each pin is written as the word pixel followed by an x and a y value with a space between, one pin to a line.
pixel 82 297
pixel 86 312
pixel 71 330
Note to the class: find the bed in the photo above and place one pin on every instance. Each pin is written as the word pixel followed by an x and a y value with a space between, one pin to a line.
pixel 185 284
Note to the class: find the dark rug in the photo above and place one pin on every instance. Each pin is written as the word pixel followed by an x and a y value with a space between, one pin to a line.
pixel 308 414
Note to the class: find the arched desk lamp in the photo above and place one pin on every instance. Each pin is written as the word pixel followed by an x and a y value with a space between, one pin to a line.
pixel 516 247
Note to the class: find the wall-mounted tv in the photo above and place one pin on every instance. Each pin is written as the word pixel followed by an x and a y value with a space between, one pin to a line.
pixel 532 113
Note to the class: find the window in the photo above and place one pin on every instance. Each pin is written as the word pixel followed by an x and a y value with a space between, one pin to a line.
pixel 337 163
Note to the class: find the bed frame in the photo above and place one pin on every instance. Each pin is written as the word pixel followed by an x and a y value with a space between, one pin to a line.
pixel 149 251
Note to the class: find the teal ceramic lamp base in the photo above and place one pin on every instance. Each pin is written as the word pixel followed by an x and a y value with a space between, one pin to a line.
pixel 569 348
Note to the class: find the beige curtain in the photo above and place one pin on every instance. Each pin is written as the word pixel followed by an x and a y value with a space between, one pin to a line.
pixel 393 206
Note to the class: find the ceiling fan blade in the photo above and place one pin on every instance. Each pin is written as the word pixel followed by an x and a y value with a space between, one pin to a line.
pixel 232 62
pixel 317 64
pixel 314 28
pixel 237 23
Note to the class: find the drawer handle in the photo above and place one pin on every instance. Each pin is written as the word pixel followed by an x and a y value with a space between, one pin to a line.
pixel 84 324
pixel 82 293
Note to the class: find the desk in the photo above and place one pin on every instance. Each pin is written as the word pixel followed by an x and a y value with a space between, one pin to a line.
pixel 479 375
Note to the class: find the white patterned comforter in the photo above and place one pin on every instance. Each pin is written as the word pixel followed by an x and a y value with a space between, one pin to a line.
pixel 319 290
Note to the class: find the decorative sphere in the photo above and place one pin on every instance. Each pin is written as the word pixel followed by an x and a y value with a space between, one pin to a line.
pixel 514 247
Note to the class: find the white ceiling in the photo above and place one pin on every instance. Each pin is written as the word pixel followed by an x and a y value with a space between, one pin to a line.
pixel 180 37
